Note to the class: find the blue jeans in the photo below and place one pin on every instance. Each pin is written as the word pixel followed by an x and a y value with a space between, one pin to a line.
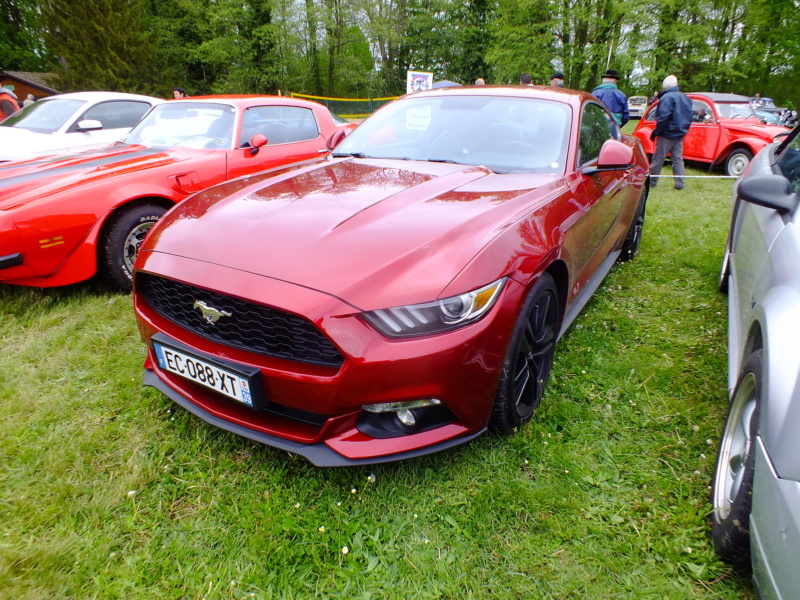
pixel 666 146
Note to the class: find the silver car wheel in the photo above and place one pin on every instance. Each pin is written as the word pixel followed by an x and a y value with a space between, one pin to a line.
pixel 735 448
pixel 132 243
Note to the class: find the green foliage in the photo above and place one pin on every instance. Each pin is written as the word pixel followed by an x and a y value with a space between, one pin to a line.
pixel 101 44
pixel 109 490
pixel 21 46
pixel 363 48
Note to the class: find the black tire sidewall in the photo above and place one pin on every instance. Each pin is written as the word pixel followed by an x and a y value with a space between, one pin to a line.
pixel 731 536
pixel 504 417
pixel 112 261
pixel 632 241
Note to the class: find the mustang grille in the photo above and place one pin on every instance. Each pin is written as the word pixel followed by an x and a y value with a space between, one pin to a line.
pixel 250 326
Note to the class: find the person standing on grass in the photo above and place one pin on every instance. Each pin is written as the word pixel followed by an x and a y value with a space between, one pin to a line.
pixel 615 101
pixel 673 118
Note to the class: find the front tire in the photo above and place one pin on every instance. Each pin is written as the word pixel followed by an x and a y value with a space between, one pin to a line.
pixel 634 237
pixel 529 358
pixel 737 162
pixel 121 242
pixel 732 485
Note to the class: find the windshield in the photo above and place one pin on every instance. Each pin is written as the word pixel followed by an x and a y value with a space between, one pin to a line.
pixel 44 116
pixel 186 124
pixel 637 100
pixel 731 110
pixel 505 134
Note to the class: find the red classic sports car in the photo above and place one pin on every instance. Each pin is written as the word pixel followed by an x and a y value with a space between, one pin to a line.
pixel 63 218
pixel 724 130
pixel 403 295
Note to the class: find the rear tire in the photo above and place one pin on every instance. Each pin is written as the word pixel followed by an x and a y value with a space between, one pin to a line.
pixel 120 244
pixel 732 485
pixel 526 367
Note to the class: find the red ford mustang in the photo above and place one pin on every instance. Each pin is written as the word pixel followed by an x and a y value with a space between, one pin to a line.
pixel 403 295
pixel 63 218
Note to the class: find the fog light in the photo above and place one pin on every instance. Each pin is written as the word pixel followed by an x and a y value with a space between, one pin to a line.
pixel 400 406
pixel 406 417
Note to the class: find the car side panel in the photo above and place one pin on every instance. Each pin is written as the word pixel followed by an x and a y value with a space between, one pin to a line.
pixel 774 530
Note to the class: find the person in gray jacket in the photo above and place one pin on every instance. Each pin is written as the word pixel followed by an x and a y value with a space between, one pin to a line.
pixel 673 118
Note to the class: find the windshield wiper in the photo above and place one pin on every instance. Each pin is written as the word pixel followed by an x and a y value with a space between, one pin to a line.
pixel 353 154
pixel 443 160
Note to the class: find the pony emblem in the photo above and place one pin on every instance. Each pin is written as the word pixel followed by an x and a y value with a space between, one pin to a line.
pixel 210 314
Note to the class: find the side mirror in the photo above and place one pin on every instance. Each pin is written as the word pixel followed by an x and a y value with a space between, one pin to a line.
pixel 256 142
pixel 771 191
pixel 89 125
pixel 614 156
pixel 337 137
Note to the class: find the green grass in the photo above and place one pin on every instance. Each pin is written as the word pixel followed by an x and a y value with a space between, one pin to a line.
pixel 108 490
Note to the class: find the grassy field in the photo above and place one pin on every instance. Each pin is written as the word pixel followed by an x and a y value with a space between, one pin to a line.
pixel 108 490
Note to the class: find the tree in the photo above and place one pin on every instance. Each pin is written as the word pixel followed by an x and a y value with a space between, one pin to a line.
pixel 101 45
pixel 21 46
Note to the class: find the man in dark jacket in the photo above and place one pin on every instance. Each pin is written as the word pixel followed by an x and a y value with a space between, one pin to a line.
pixel 673 118
pixel 615 101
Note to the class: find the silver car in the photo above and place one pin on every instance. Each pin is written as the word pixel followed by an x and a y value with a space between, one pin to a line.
pixel 756 485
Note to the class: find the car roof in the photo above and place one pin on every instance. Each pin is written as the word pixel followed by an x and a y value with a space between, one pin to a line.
pixel 247 100
pixel 543 92
pixel 100 96
pixel 717 97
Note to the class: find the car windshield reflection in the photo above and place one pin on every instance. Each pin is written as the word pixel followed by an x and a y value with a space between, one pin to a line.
pixel 730 110
pixel 44 116
pixel 507 135
pixel 186 124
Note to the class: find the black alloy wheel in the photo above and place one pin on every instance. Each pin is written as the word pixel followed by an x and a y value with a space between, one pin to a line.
pixel 529 358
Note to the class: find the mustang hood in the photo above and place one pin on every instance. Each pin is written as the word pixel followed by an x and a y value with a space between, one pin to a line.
pixel 374 233
pixel 28 180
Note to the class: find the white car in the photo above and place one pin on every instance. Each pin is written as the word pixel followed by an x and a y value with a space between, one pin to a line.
pixel 70 123
pixel 636 106
pixel 756 485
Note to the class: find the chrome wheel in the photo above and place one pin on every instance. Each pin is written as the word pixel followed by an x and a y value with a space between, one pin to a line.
pixel 132 243
pixel 735 448
pixel 737 162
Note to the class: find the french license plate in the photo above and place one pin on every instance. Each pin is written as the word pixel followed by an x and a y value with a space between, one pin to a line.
pixel 222 380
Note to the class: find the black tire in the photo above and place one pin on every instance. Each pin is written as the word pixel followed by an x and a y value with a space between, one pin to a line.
pixel 732 485
pixel 634 237
pixel 121 241
pixel 737 162
pixel 526 367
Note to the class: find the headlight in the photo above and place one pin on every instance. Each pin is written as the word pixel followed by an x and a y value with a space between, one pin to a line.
pixel 437 316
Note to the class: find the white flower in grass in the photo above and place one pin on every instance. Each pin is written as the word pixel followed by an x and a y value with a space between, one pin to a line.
pixel 371 478
pixel 297 505
pixel 695 428
pixel 131 493
pixel 345 550
pixel 321 529
pixel 338 504
pixel 353 491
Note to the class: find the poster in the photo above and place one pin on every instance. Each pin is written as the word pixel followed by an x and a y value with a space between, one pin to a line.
pixel 418 81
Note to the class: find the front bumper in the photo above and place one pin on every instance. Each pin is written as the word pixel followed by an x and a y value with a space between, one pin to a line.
pixel 313 410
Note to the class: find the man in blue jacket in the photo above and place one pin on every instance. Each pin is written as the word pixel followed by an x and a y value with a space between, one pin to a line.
pixel 615 101
pixel 673 118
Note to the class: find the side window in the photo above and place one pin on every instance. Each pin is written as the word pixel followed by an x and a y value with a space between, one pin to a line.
pixel 701 112
pixel 115 114
pixel 596 128
pixel 650 115
pixel 279 124
pixel 789 163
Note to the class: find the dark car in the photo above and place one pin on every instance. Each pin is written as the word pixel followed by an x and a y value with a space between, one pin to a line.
pixel 406 294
